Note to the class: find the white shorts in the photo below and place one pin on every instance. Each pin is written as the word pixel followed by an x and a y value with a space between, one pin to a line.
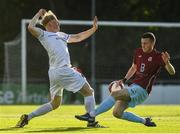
pixel 65 78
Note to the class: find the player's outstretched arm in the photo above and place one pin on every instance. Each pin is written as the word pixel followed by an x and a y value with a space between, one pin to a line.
pixel 84 35
pixel 35 31
pixel 168 66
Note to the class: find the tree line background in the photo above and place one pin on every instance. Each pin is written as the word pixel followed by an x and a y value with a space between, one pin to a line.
pixel 114 46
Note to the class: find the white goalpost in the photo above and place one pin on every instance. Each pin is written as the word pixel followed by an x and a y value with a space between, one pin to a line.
pixel 24 23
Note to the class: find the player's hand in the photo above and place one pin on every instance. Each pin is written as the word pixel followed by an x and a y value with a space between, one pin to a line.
pixel 165 56
pixel 95 25
pixel 120 81
pixel 42 12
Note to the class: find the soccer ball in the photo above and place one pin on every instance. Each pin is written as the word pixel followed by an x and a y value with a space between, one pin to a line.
pixel 116 85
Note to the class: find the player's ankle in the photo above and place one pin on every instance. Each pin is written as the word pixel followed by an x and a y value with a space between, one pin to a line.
pixel 92 114
pixel 144 120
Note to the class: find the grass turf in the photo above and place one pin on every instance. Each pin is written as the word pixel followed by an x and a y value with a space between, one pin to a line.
pixel 167 118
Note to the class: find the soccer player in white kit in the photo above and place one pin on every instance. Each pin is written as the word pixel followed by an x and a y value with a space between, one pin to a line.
pixel 61 74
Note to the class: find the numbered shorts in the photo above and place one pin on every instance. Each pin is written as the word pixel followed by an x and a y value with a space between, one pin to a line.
pixel 138 95
pixel 65 78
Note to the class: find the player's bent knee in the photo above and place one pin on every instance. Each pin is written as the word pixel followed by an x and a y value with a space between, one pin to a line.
pixel 56 102
pixel 114 93
pixel 86 90
pixel 116 114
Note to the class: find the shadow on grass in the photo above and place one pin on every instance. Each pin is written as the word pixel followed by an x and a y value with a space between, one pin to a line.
pixel 42 130
pixel 59 129
pixel 9 128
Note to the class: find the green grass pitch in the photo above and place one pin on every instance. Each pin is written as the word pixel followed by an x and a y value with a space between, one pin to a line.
pixel 62 120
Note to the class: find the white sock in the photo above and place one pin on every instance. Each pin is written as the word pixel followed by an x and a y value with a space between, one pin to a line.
pixel 92 113
pixel 41 111
pixel 89 102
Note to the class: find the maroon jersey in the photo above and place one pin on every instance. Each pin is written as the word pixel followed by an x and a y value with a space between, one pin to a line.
pixel 148 68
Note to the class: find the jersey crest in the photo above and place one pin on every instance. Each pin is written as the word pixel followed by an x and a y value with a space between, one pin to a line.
pixel 150 59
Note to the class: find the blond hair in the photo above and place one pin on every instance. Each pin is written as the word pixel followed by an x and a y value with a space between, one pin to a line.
pixel 48 16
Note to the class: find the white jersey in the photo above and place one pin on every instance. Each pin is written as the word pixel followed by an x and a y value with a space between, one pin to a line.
pixel 56 46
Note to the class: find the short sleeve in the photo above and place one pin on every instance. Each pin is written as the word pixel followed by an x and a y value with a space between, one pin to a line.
pixel 64 36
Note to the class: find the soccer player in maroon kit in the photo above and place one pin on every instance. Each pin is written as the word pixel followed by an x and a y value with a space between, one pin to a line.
pixel 146 66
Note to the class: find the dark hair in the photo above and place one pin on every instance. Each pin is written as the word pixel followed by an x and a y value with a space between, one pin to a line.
pixel 150 36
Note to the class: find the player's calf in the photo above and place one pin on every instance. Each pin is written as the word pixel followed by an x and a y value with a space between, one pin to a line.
pixel 117 114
